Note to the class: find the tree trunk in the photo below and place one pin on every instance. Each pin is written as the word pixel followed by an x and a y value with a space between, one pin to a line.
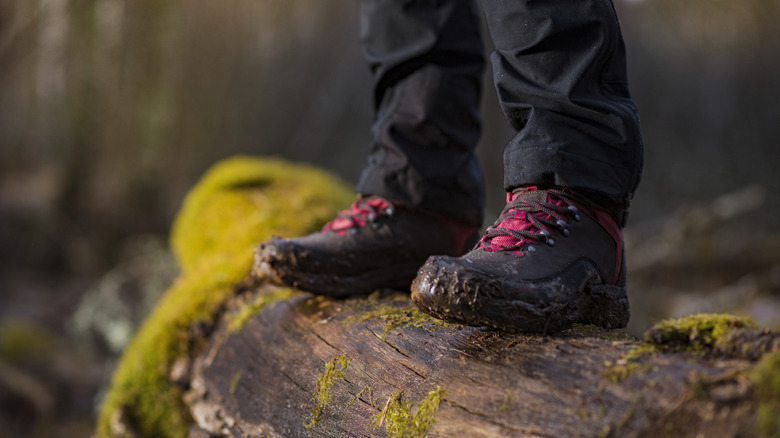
pixel 384 369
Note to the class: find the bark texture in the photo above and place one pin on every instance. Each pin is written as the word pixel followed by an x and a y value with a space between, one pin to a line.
pixel 379 362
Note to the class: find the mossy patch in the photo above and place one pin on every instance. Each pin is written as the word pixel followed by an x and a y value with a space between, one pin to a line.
pixel 369 391
pixel 765 377
pixel 334 370
pixel 241 201
pixel 234 383
pixel 398 419
pixel 618 371
pixel 699 333
pixel 508 401
pixel 629 363
pixel 395 316
pixel 237 321
pixel 696 332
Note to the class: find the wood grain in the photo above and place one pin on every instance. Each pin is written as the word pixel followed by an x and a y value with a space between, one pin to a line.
pixel 260 381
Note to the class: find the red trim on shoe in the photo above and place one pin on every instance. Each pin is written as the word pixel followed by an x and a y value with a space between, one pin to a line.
pixel 526 221
pixel 366 210
pixel 363 211
pixel 460 231
pixel 609 224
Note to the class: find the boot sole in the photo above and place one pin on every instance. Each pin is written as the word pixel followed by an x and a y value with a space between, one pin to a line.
pixel 274 264
pixel 450 291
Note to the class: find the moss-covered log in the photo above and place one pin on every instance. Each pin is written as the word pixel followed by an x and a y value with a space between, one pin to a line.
pixel 239 202
pixel 375 366
pixel 225 355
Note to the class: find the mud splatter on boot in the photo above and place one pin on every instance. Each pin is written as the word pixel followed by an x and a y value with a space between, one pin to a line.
pixel 374 244
pixel 551 259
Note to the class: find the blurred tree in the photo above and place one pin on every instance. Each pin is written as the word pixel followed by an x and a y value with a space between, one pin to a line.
pixel 130 101
pixel 702 76
pixel 111 108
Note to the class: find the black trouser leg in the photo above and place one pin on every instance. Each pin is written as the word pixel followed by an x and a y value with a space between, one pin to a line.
pixel 427 60
pixel 560 72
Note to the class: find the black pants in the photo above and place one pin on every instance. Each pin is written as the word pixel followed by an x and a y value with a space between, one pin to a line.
pixel 559 70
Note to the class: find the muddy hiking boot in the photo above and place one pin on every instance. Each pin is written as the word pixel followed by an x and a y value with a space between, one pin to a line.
pixel 374 244
pixel 551 259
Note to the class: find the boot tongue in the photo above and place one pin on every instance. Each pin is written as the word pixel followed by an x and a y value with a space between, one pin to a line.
pixel 527 198
pixel 504 235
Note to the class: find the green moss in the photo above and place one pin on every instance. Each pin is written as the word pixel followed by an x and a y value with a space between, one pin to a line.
pixel 629 363
pixel 238 203
pixel 394 316
pixel 140 385
pixel 242 198
pixel 619 371
pixel 642 349
pixel 399 421
pixel 234 383
pixel 696 332
pixel 765 377
pixel 333 370
pixel 369 391
pixel 508 400
pixel 245 313
pixel 426 412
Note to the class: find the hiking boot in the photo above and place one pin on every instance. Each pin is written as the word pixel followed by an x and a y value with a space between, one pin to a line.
pixel 374 244
pixel 551 259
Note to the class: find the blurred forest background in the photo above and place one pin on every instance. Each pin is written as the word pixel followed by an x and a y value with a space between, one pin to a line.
pixel 110 110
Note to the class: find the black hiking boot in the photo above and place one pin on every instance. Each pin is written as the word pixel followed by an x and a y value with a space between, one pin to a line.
pixel 374 244
pixel 551 259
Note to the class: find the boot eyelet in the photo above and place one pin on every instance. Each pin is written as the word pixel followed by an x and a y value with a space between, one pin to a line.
pixel 550 242
pixel 565 232
pixel 530 248
pixel 576 212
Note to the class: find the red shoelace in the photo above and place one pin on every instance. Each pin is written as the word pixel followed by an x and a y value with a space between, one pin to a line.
pixel 526 220
pixel 364 211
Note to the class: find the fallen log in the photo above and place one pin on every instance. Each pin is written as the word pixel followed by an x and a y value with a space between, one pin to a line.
pixel 300 365
pixel 222 355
